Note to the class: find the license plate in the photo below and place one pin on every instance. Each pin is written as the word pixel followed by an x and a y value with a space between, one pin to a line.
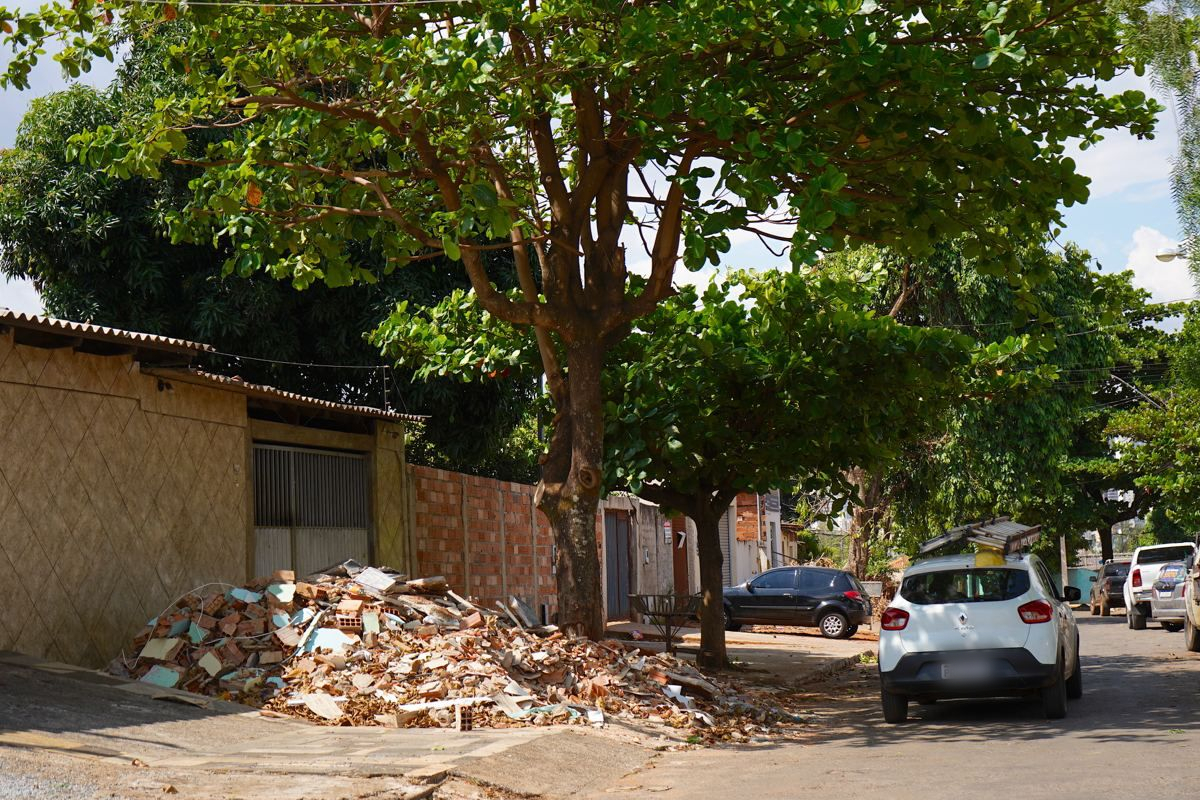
pixel 966 671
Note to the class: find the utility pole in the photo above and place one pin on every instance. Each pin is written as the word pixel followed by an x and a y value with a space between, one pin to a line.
pixel 1062 557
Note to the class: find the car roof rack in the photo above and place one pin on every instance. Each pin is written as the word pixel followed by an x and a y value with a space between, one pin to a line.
pixel 997 533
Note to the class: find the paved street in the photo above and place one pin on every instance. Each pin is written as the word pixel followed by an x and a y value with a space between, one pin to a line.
pixel 1137 726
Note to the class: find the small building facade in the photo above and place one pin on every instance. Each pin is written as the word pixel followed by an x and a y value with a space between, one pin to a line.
pixel 128 477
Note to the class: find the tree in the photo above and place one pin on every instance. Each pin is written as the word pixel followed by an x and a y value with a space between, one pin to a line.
pixel 429 128
pixel 709 396
pixel 791 383
pixel 1160 438
pixel 1016 442
pixel 95 247
pixel 1166 36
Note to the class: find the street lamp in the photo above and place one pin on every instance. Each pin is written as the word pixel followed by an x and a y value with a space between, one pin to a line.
pixel 1166 254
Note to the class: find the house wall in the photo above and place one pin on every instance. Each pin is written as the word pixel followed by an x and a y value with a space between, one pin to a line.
pixel 115 497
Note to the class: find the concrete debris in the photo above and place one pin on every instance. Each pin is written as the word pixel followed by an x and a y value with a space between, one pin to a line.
pixel 359 645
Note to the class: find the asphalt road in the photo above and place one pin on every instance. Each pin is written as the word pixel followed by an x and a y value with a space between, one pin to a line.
pixel 1136 732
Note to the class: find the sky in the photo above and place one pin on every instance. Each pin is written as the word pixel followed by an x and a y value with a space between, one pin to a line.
pixel 1129 217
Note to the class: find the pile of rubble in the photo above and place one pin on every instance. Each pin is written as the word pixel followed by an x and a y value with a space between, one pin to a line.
pixel 364 646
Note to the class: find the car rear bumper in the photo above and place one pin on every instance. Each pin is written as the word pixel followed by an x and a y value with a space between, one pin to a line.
pixel 1010 670
pixel 1168 611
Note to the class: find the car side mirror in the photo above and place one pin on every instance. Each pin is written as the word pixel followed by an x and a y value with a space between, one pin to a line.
pixel 749 587
pixel 1093 579
pixel 1072 594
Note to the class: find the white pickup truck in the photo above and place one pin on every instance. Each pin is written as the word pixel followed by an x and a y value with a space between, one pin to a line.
pixel 1143 572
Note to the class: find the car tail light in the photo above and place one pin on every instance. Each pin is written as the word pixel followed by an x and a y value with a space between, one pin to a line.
pixel 852 595
pixel 1137 577
pixel 1035 611
pixel 894 619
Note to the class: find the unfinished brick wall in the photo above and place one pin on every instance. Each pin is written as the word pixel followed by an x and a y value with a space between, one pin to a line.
pixel 484 535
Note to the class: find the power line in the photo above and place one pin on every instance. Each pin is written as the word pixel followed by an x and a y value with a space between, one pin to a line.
pixel 295 363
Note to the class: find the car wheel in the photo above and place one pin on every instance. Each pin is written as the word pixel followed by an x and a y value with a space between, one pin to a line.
pixel 1137 620
pixel 1075 682
pixel 853 629
pixel 895 707
pixel 1191 636
pixel 834 625
pixel 1172 627
pixel 730 625
pixel 1054 696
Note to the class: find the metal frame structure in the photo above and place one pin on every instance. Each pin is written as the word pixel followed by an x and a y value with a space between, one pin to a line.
pixel 998 533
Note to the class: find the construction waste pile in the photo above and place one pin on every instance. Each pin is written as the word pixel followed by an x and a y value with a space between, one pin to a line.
pixel 364 646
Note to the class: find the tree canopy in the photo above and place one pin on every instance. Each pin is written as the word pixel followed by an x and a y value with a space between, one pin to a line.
pixel 95 247
pixel 429 129
pixel 1159 438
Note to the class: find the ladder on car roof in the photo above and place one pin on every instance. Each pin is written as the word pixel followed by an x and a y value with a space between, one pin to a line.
pixel 998 533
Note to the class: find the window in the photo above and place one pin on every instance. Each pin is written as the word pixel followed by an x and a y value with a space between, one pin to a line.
pixel 1172 572
pixel 776 579
pixel 817 581
pixel 1161 555
pixel 965 586
pixel 1116 570
pixel 1044 580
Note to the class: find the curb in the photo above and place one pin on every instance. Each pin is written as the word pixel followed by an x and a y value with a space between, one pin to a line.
pixel 832 668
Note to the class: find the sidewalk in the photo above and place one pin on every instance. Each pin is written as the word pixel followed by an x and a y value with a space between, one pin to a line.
pixel 798 656
pixel 111 737
pixel 135 740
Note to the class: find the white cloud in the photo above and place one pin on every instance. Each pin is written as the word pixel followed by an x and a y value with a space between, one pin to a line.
pixel 19 295
pixel 1122 162
pixel 1164 281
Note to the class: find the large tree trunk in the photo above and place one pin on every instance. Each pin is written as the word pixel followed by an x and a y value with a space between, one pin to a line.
pixel 1106 540
pixel 569 491
pixel 864 519
pixel 712 612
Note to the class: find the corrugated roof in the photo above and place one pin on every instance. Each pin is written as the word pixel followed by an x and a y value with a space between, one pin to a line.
pixel 191 375
pixel 85 330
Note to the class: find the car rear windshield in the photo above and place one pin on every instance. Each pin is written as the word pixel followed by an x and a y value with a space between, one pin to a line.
pixel 1172 572
pixel 965 586
pixel 1117 570
pixel 1161 555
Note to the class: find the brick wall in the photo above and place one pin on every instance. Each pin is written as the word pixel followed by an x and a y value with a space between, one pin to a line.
pixel 484 535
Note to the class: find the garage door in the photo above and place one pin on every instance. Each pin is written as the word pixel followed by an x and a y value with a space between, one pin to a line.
pixel 311 508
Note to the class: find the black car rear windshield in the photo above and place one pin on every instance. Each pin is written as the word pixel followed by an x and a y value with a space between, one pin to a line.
pixel 965 586
pixel 1161 555
pixel 1116 570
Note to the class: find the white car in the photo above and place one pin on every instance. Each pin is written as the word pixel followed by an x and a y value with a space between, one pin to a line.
pixel 979 625
pixel 1144 567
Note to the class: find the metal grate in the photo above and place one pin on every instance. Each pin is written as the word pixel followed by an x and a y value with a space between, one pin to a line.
pixel 311 508
pixel 723 534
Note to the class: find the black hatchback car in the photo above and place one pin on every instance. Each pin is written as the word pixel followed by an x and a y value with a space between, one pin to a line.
pixel 830 599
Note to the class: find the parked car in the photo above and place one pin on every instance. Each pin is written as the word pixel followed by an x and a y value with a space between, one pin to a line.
pixel 1191 608
pixel 1109 591
pixel 1167 600
pixel 830 599
pixel 1143 572
pixel 979 625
